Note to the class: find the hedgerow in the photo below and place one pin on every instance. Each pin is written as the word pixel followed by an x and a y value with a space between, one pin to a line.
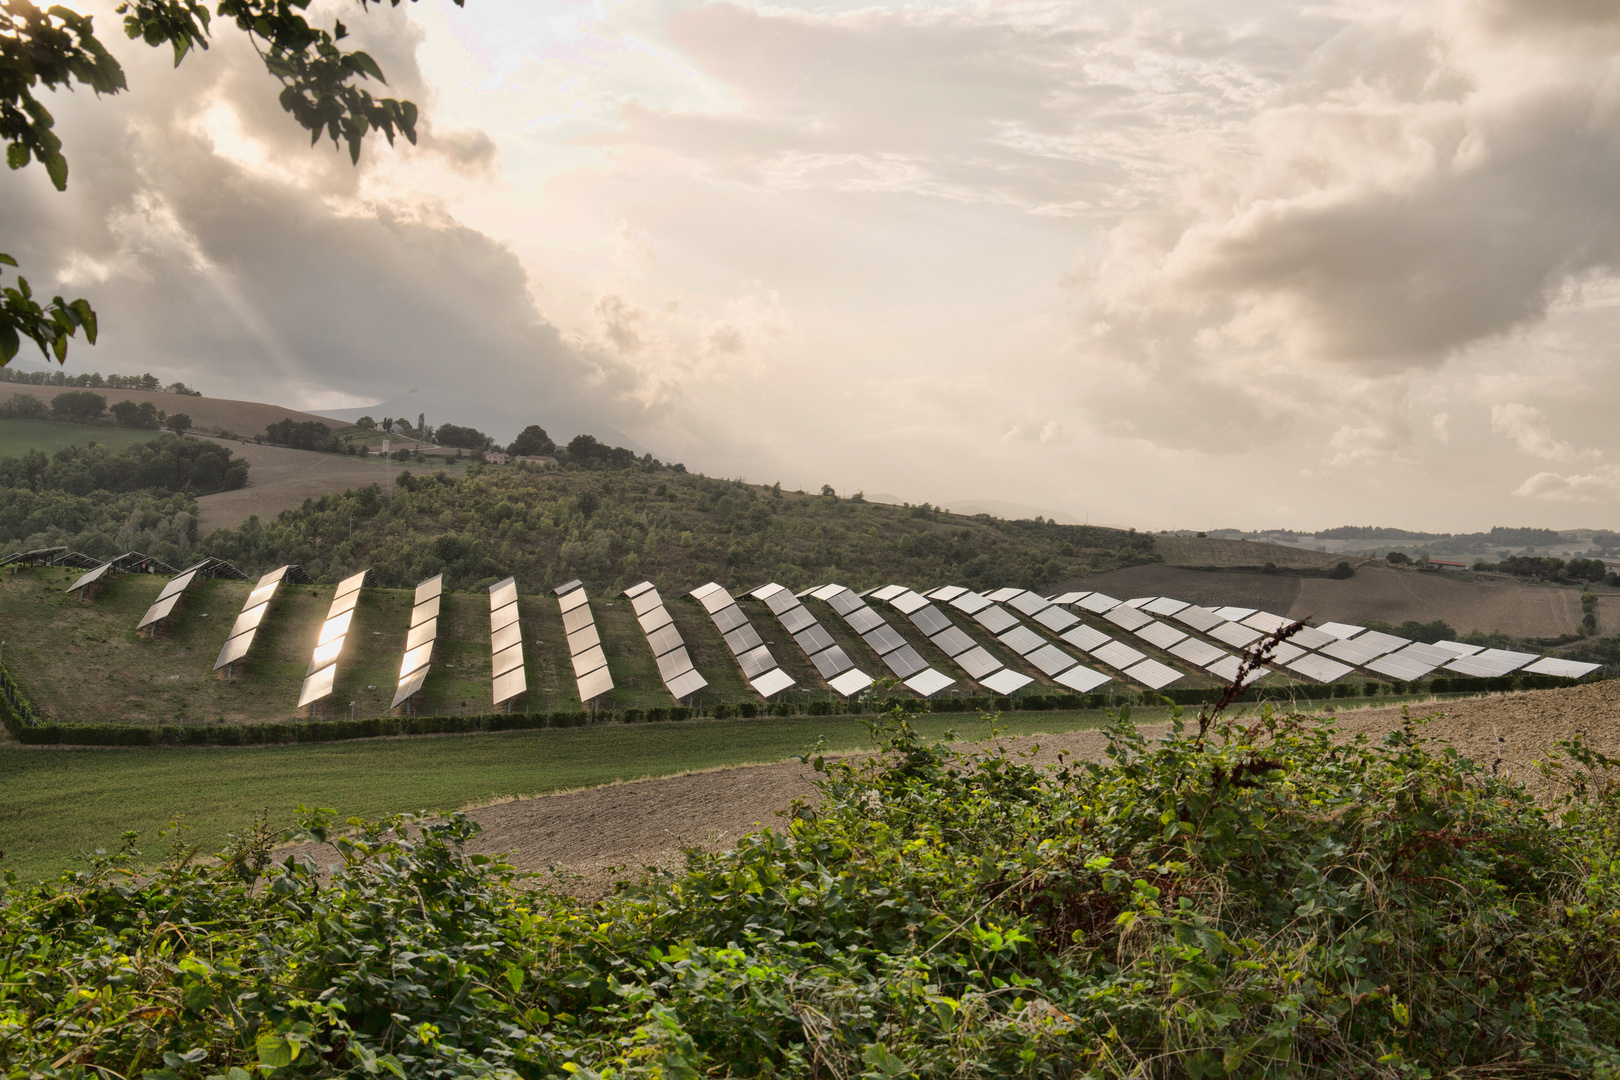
pixel 1271 900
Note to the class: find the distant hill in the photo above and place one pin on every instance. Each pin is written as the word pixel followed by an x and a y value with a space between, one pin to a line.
pixel 211 415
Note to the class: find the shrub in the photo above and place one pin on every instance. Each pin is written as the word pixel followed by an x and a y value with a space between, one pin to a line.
pixel 78 407
pixel 1342 571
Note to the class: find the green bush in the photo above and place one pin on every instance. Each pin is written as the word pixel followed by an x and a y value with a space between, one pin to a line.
pixel 1272 901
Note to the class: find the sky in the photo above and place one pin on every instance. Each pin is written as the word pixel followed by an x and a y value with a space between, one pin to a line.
pixel 1224 263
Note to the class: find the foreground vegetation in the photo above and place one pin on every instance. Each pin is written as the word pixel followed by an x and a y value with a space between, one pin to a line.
pixel 1262 902
pixel 57 803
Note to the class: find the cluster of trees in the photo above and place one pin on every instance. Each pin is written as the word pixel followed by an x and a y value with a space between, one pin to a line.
pixel 615 527
pixel 1547 568
pixel 100 501
pixel 86 407
pixel 304 435
pixel 96 381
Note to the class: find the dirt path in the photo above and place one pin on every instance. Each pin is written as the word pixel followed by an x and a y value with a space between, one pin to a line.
pixel 594 837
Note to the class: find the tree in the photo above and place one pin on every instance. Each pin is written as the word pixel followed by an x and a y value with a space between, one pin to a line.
pixel 531 441
pixel 1342 571
pixel 366 422
pixel 179 423
pixel 464 437
pixel 58 49
pixel 78 407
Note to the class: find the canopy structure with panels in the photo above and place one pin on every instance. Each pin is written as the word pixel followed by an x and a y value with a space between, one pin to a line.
pixel 254 610
pixel 832 663
pixel 675 665
pixel 507 677
pixel 758 665
pixel 1135 617
pixel 167 599
pixel 131 562
pixel 414 665
pixel 898 655
pixel 329 642
pixel 584 643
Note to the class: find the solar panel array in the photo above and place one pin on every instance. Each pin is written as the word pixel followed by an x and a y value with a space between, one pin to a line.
pixel 584 643
pixel 329 642
pixel 675 666
pixel 254 609
pixel 759 667
pixel 413 666
pixel 832 663
pixel 1062 667
pixel 896 653
pixel 506 670
pixel 170 596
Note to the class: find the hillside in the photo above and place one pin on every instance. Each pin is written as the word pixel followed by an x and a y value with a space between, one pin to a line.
pixel 213 415
pixel 1214 553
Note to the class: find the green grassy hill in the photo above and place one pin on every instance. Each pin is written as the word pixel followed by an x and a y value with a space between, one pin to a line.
pixel 17 437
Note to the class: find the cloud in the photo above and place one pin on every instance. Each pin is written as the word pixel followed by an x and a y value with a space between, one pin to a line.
pixel 1601 485
pixel 1527 427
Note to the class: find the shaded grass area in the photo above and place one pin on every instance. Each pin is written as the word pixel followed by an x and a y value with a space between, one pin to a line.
pixel 57 802
pixel 17 437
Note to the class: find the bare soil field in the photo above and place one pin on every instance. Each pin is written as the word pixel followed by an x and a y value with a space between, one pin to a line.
pixel 1375 592
pixel 591 838
pixel 1224 554
pixel 280 478
pixel 209 414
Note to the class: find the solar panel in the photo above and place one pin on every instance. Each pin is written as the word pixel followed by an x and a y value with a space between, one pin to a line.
pixel 996 619
pixel 234 650
pixel 1199 653
pixel 883 639
pixel 177 586
pixel 587 661
pixel 1236 635
pixel 1564 669
pixel 1397 666
pixel 1201 619
pixel 317 686
pixel 845 601
pixel 1285 651
pixel 969 603
pixel 768 589
pixel 928 682
pixel 1165 605
pixel 645 601
pixel 908 601
pixel 574 620
pixel 1022 640
pixel 1428 654
pixel 509 658
pixel 782 601
pixel 1099 603
pixel 433 586
pixel 796 618
pixel 636 590
pixel 1514 660
pixel 704 590
pixel 1001 596
pixel 1311 638
pixel 1161 634
pixel 1128 618
pixel 347 602
pixel 506 616
pixel 772 682
pixel 863 620
pixel 1320 668
pixel 1229 668
pixel 976 662
pixel 568 587
pixel 582 639
pixel 157 611
pixel 930 620
pixel 260 595
pixel 904 662
pixel 595 684
pixel 1087 638
pixel 832 662
pixel 674 663
pixel 504 688
pixel 1005 681
pixel 657 617
pixel 1352 651
pixel 1051 659
pixel 1081 679
pixel 717 601
pixel 663 639
pixel 1056 619
pixel 1118 655
pixel 1153 674
pixel 686 684
pixel 827 592
pixel 1029 603
pixel 851 682
pixel 573 599
pixel 1070 597
pixel 1235 614
pixel 1382 642
pixel 952 641
pixel 410 685
pixel 1266 622
pixel 350 584
pixel 90 578
pixel 743 639
pixel 946 593
pixel 415 658
pixel 504 638
pixel 1340 630
pixel 1457 648
pixel 813 640
pixel 335 627
pixel 887 592
pixel 1138 601
pixel 756 662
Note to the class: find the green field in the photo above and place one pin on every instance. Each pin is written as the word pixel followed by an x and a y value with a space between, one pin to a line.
pixel 55 803
pixel 17 437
